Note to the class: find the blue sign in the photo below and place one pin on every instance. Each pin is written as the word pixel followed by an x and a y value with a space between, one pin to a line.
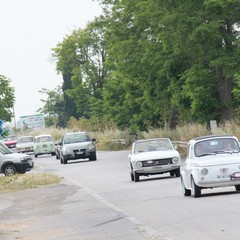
pixel 1 127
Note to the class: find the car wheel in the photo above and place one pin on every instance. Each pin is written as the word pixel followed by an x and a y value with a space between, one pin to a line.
pixel 93 157
pixel 61 160
pixel 237 187
pixel 136 177
pixel 186 192
pixel 196 190
pixel 64 160
pixel 9 170
pixel 172 173
pixel 36 155
pixel 131 176
pixel 177 172
pixel 53 153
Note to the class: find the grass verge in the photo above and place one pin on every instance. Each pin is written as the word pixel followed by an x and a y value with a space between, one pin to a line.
pixel 20 182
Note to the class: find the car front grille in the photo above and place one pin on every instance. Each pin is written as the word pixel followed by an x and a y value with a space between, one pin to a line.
pixel 157 162
pixel 79 152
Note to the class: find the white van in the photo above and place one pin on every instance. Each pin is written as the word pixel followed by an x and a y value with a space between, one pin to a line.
pixel 12 163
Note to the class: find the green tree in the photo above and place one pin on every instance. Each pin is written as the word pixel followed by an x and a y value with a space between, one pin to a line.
pixel 7 99
pixel 53 107
pixel 81 57
pixel 180 56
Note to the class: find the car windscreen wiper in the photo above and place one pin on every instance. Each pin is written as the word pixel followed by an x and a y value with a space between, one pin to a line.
pixel 206 154
pixel 225 151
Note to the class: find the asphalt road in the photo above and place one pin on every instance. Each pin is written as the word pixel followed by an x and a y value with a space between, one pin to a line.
pixel 97 200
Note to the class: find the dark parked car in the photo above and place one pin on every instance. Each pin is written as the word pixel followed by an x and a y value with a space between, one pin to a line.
pixel 77 145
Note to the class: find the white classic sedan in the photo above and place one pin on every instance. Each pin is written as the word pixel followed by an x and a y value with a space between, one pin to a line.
pixel 212 161
pixel 153 156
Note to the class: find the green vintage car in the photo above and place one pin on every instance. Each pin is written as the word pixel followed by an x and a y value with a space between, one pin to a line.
pixel 44 144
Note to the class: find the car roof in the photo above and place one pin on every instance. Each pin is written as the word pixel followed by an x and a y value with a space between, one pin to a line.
pixel 25 137
pixel 196 139
pixel 151 139
pixel 71 133
pixel 43 135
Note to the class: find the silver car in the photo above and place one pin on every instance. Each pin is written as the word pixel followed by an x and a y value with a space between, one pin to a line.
pixel 77 145
pixel 25 144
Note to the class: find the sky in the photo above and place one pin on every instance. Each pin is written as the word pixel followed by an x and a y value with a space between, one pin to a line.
pixel 29 30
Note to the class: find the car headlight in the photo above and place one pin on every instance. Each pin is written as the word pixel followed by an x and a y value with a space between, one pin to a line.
pixel 138 164
pixel 204 171
pixel 66 150
pixel 91 146
pixel 25 159
pixel 174 160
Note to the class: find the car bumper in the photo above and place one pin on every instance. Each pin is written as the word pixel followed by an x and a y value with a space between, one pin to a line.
pixel 224 182
pixel 23 167
pixel 73 156
pixel 157 169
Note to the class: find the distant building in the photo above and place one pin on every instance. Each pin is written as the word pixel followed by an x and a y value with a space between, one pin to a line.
pixel 32 121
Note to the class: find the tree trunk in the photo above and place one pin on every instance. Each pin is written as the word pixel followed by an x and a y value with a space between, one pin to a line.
pixel 173 119
pixel 225 95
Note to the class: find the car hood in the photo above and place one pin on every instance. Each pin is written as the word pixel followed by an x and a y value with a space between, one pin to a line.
pixel 14 156
pixel 77 145
pixel 10 141
pixel 155 155
pixel 218 159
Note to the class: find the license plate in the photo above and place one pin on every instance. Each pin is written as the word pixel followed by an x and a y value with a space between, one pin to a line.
pixel 79 152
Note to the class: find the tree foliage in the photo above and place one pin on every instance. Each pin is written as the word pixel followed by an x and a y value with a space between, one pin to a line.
pixel 145 64
pixel 53 107
pixel 7 99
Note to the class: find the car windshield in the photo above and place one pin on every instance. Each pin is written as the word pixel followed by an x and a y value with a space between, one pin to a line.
pixel 4 150
pixel 153 145
pixel 44 139
pixel 25 139
pixel 10 138
pixel 216 146
pixel 74 138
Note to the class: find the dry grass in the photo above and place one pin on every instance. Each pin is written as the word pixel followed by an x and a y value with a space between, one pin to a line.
pixel 19 182
pixel 108 140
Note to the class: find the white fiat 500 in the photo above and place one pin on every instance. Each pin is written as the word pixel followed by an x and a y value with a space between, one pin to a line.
pixel 153 156
pixel 212 161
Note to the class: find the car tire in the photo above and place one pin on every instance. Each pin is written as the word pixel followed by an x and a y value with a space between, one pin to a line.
pixel 172 173
pixel 93 157
pixel 53 153
pixel 36 155
pixel 196 190
pixel 237 187
pixel 9 170
pixel 136 177
pixel 61 160
pixel 65 161
pixel 186 192
pixel 177 172
pixel 131 176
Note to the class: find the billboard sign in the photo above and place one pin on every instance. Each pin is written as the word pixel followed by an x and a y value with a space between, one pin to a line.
pixel 32 121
